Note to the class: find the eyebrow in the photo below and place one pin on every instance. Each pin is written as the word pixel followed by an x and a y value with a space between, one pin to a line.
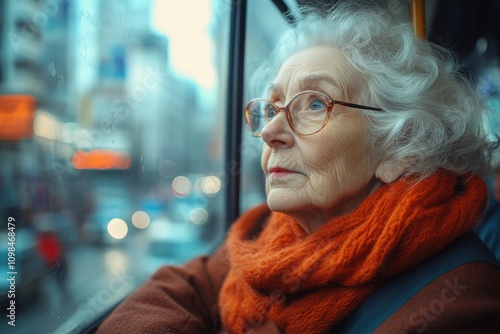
pixel 312 81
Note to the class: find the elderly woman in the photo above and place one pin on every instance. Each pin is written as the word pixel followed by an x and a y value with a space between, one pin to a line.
pixel 372 147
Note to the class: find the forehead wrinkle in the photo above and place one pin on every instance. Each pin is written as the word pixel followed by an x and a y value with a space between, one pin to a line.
pixel 315 81
pixel 334 79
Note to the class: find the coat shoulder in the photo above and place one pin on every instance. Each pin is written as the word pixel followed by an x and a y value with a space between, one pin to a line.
pixel 463 300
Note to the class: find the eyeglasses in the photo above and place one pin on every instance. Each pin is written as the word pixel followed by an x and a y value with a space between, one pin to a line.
pixel 307 112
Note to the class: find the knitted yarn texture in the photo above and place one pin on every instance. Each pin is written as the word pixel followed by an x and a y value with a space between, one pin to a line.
pixel 306 283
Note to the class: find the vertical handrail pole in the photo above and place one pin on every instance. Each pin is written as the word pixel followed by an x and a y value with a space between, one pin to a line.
pixel 417 17
pixel 234 106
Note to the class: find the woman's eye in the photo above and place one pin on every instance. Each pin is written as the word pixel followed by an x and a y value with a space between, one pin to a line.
pixel 317 105
pixel 271 113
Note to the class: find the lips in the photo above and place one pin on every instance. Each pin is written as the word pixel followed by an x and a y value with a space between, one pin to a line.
pixel 277 172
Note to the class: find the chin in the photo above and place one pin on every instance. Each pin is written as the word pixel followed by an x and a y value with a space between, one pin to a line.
pixel 280 201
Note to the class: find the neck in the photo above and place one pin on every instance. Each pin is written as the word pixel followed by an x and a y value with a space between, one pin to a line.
pixel 313 219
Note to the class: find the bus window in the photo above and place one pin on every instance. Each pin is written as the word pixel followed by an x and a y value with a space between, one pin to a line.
pixel 111 141
pixel 263 17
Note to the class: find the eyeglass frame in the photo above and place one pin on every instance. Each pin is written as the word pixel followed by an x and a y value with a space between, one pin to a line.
pixel 286 108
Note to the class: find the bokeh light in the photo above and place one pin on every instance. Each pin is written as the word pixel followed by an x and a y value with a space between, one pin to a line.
pixel 181 186
pixel 117 228
pixel 140 219
pixel 198 216
pixel 210 185
pixel 115 261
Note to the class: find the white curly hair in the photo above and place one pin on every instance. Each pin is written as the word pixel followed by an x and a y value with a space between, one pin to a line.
pixel 432 116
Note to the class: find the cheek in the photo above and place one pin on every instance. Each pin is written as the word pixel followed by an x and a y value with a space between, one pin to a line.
pixel 329 154
pixel 318 160
pixel 266 153
pixel 341 161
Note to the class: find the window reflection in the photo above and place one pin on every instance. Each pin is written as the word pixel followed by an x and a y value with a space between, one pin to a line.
pixel 263 17
pixel 111 118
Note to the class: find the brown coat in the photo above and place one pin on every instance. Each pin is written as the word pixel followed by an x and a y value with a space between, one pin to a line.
pixel 184 300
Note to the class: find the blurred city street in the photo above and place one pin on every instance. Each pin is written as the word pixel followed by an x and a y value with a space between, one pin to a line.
pixel 97 277
pixel 112 148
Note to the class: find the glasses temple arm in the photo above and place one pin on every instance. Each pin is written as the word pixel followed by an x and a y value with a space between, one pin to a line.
pixel 359 106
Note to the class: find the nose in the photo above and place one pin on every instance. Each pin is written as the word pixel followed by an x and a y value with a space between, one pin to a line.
pixel 277 133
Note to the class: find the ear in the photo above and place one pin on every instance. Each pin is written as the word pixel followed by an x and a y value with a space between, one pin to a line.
pixel 390 170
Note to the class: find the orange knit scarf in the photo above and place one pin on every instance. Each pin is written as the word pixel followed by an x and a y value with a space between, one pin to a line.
pixel 305 283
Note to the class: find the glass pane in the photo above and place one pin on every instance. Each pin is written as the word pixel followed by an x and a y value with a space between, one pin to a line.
pixel 265 24
pixel 112 116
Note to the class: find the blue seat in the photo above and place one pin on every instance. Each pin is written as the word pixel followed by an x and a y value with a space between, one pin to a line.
pixel 489 228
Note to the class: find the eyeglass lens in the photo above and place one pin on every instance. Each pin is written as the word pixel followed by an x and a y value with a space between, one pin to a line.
pixel 308 113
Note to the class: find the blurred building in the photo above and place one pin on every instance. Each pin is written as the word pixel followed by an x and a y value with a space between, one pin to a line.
pixel 34 84
pixel 98 82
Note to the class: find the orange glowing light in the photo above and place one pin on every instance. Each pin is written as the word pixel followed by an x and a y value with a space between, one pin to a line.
pixel 16 116
pixel 100 159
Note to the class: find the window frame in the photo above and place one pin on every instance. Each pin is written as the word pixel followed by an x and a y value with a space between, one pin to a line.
pixel 235 103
